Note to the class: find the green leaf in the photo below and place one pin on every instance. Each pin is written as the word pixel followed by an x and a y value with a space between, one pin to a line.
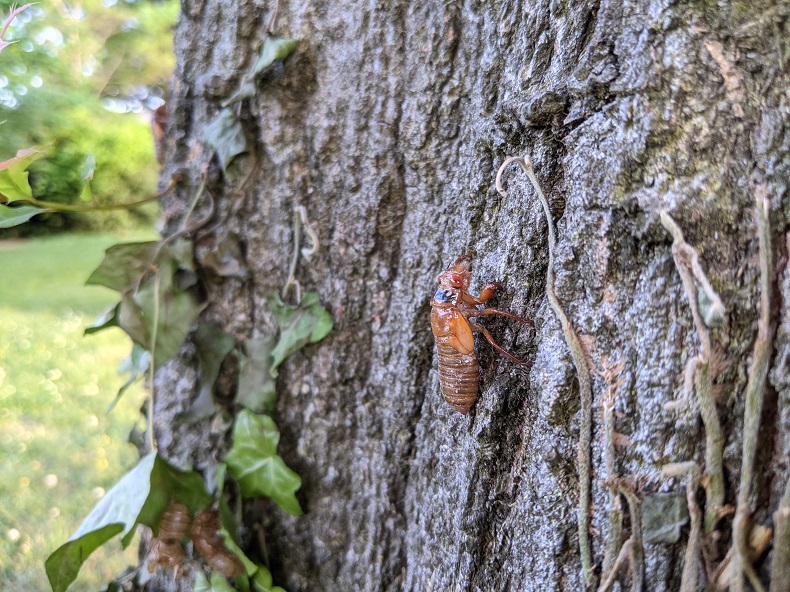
pixel 218 583
pixel 254 464
pixel 139 497
pixel 136 365
pixel 230 544
pixel 226 258
pixel 200 583
pixel 64 564
pixel 256 390
pixel 123 265
pixel 307 322
pixel 19 215
pixel 177 311
pixel 212 345
pixel 183 251
pixel 274 48
pixel 13 176
pixel 262 580
pixel 242 583
pixel 88 168
pixel 109 318
pixel 246 90
pixel 663 517
pixel 226 135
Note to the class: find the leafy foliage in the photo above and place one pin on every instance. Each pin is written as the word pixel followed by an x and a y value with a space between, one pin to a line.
pixel 140 497
pixel 147 277
pixel 226 136
pixel 272 50
pixel 217 583
pixel 301 324
pixel 67 65
pixel 254 463
pixel 256 389
pixel 10 217
pixel 136 365
pixel 13 175
pixel 212 346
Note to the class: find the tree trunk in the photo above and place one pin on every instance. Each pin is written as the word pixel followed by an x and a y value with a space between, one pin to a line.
pixel 388 125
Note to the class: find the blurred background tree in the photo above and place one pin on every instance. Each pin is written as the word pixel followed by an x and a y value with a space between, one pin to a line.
pixel 83 78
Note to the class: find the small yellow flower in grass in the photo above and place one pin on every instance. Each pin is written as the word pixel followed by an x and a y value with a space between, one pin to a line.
pixel 24 481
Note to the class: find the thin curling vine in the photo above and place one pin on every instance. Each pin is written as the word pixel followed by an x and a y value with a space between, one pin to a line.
pixel 755 393
pixel 706 310
pixel 582 372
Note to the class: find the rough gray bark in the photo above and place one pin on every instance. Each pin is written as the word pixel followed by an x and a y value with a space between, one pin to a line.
pixel 389 125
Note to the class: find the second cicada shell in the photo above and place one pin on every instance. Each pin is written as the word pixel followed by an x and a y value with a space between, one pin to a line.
pixel 211 545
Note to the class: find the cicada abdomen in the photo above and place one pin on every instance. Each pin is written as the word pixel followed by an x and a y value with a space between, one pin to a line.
pixel 459 372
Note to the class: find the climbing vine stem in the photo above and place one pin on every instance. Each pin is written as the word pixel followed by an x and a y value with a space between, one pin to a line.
pixel 755 390
pixel 687 263
pixel 300 222
pixel 152 363
pixel 582 372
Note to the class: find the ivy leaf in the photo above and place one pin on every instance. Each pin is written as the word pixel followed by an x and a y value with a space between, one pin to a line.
pixel 123 265
pixel 13 175
pixel 256 390
pixel 274 48
pixel 254 464
pixel 212 345
pixel 19 215
pixel 136 365
pixel 226 136
pixel 218 583
pixel 177 311
pixel 663 517
pixel 226 258
pixel 307 322
pixel 109 318
pixel 246 90
pixel 262 580
pixel 139 497
pixel 88 168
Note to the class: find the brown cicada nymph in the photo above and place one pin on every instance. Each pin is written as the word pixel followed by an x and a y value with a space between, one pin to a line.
pixel 452 307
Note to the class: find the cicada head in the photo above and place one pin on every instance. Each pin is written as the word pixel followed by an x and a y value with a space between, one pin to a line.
pixel 457 276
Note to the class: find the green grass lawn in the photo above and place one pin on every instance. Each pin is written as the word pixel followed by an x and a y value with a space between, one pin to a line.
pixel 59 451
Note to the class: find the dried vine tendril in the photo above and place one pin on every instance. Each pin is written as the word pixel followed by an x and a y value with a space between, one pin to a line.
pixel 582 371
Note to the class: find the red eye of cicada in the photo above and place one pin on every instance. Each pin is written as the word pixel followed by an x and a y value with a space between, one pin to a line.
pixel 456 281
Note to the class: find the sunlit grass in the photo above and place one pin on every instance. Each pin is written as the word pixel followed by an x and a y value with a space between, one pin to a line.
pixel 59 451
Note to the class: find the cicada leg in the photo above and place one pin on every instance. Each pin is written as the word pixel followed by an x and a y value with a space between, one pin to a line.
pixel 496 346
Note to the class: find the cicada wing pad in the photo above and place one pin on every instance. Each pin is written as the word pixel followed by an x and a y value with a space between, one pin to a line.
pixel 461 338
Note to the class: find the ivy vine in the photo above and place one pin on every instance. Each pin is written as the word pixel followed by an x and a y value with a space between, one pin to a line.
pixel 159 304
